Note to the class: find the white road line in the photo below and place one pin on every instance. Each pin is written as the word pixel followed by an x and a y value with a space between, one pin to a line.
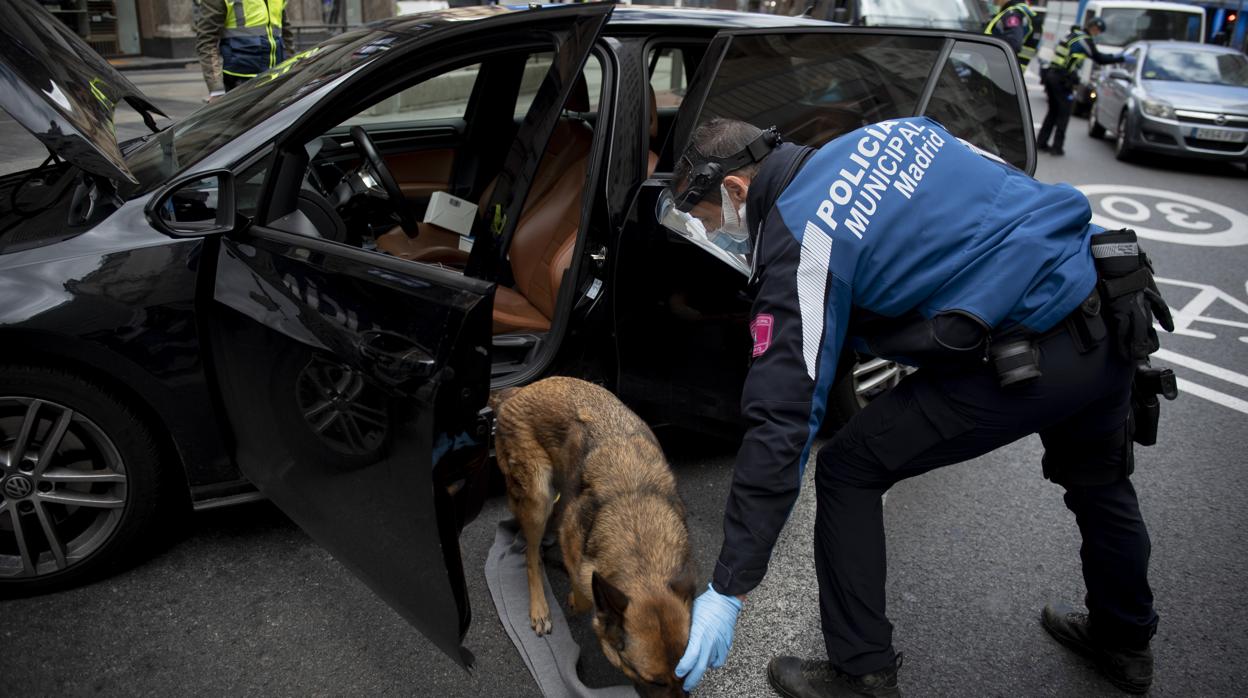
pixel 1206 368
pixel 1186 386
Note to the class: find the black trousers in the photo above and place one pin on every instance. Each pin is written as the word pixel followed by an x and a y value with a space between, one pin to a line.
pixel 933 418
pixel 1061 101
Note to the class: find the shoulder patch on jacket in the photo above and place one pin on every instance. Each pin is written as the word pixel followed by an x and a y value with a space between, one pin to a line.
pixel 761 331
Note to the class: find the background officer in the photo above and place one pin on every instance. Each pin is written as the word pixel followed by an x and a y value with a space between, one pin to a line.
pixel 238 39
pixel 1015 22
pixel 1062 76
pixel 906 242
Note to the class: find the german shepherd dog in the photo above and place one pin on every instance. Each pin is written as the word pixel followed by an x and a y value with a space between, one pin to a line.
pixel 621 524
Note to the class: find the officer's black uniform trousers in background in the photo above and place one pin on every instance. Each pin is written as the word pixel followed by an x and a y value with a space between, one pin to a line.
pixel 1061 96
pixel 942 416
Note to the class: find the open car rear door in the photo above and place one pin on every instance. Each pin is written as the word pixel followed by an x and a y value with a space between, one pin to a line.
pixel 355 383
pixel 813 84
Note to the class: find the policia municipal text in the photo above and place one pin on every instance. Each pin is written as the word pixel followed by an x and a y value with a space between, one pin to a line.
pixel 1016 24
pixel 238 39
pixel 901 241
pixel 1062 76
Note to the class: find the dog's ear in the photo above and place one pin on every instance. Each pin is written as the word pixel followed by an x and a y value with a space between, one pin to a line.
pixel 607 598
pixel 685 583
pixel 609 605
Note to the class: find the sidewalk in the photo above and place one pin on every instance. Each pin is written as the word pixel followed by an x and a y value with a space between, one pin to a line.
pixel 176 92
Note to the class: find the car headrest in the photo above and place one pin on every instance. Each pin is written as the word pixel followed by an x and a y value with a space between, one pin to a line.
pixel 578 99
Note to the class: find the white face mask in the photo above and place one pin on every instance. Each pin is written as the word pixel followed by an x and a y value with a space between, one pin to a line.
pixel 734 226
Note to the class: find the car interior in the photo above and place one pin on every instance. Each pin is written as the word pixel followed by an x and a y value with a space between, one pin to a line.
pixel 449 133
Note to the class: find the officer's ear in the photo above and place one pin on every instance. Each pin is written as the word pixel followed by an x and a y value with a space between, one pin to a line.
pixel 737 187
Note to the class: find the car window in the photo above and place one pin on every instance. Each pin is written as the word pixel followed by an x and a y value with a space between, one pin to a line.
pixel 1205 67
pixel 440 97
pixel 975 99
pixel 667 76
pixel 535 69
pixel 814 87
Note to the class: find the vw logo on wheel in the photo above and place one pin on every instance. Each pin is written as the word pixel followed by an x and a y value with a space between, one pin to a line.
pixel 17 486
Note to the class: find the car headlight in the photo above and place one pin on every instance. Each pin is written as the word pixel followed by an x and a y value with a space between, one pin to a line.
pixel 1157 108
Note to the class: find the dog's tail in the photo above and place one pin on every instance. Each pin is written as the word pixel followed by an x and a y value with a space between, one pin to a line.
pixel 498 397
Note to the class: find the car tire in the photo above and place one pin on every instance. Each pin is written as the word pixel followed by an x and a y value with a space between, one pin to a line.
pixel 1095 128
pixel 1122 140
pixel 91 509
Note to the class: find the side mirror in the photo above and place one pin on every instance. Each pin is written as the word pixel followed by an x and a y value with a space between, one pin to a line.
pixel 195 205
pixel 1119 74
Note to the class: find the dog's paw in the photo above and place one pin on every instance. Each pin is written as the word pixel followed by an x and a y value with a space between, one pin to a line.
pixel 541 623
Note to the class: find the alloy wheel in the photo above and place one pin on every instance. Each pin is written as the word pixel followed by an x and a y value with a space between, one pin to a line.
pixel 63 487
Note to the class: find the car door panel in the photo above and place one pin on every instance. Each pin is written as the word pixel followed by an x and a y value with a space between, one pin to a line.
pixel 352 383
pixel 814 84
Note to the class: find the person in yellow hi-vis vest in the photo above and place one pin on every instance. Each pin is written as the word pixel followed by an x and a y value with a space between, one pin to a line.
pixel 238 39
pixel 1015 22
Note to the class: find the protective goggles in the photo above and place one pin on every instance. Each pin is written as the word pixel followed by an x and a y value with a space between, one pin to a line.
pixel 737 254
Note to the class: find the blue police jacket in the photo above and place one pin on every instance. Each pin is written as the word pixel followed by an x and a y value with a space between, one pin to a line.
pixel 902 223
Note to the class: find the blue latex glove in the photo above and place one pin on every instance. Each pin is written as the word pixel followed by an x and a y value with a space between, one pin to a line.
pixel 710 635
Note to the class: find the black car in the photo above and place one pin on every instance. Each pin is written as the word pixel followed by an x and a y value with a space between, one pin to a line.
pixel 246 297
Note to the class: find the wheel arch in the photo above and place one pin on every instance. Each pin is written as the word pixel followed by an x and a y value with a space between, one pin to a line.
pixel 110 371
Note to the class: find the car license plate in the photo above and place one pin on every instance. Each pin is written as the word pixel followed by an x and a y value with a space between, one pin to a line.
pixel 1217 134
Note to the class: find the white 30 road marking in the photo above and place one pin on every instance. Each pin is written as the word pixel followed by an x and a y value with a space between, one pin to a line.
pixel 1181 211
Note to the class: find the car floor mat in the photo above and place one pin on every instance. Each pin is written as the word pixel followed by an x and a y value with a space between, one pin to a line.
pixel 551 659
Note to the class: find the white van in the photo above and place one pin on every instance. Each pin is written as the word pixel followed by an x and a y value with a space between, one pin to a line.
pixel 1125 21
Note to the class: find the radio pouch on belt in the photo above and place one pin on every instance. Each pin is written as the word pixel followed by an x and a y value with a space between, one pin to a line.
pixel 1132 301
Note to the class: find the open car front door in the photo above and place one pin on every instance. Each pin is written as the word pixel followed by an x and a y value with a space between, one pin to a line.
pixel 813 84
pixel 355 384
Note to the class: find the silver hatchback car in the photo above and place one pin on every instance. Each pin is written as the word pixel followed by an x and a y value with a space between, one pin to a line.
pixel 1180 98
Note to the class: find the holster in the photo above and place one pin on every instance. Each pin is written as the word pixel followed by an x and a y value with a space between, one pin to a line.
pixel 1129 293
pixel 1132 301
pixel 1149 382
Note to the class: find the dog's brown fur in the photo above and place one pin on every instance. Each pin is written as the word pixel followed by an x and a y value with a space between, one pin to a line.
pixel 621 526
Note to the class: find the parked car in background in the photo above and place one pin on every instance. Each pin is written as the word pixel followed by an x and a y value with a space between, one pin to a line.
pixel 248 297
pixel 1126 21
pixel 1183 99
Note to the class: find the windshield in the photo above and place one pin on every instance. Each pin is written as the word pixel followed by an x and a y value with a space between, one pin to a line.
pixel 942 14
pixel 1124 25
pixel 1197 66
pixel 193 138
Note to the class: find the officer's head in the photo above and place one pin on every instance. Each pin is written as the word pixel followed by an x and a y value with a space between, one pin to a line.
pixel 711 182
pixel 1094 26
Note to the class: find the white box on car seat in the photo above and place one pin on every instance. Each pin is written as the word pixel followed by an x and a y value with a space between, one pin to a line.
pixel 450 212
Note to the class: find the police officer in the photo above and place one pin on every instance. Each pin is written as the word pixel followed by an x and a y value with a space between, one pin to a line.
pixel 1062 76
pixel 239 39
pixel 902 241
pixel 1015 22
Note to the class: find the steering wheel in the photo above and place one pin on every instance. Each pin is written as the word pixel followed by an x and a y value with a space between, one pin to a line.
pixel 388 184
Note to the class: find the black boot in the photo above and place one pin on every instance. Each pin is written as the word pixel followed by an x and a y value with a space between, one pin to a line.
pixel 793 677
pixel 1127 668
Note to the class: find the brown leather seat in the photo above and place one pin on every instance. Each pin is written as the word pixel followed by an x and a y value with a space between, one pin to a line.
pixel 544 238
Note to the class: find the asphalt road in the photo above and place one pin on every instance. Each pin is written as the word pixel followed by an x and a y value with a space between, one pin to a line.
pixel 247 604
